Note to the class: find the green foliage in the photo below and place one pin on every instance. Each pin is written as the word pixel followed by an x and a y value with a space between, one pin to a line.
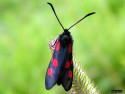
pixel 99 42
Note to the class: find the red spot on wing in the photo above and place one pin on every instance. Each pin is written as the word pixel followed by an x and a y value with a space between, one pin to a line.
pixel 71 61
pixel 55 63
pixel 67 65
pixel 57 46
pixel 70 47
pixel 49 71
pixel 70 74
pixel 51 59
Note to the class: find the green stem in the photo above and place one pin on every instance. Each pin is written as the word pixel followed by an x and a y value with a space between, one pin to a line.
pixel 81 82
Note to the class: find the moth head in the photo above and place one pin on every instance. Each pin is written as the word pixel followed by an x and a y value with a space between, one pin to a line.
pixel 66 30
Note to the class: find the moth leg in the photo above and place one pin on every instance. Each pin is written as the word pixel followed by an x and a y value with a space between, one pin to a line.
pixel 52 45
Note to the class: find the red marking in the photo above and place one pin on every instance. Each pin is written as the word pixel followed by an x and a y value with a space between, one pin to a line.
pixel 71 61
pixel 55 62
pixel 57 46
pixel 67 64
pixel 70 47
pixel 51 59
pixel 70 74
pixel 49 71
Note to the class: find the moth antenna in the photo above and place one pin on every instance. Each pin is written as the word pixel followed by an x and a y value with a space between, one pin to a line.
pixel 82 19
pixel 55 14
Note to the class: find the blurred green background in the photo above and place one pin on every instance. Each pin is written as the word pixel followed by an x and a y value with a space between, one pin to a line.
pixel 26 25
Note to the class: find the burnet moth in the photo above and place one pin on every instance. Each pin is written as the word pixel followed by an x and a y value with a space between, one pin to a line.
pixel 60 69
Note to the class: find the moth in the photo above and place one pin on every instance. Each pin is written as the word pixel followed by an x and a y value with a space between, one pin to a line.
pixel 60 69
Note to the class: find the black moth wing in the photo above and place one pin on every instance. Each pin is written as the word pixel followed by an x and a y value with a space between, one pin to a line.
pixel 54 67
pixel 67 71
pixel 59 71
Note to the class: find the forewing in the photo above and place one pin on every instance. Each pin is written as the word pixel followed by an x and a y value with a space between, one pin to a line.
pixel 54 68
pixel 67 70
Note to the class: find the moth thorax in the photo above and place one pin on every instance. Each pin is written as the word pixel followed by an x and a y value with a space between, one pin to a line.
pixel 65 40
